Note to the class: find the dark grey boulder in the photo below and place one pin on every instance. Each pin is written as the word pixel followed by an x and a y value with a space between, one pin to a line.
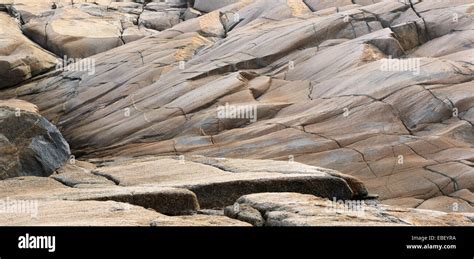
pixel 29 144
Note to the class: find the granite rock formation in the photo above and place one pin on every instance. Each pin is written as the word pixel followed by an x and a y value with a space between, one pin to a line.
pixel 378 92
pixel 29 144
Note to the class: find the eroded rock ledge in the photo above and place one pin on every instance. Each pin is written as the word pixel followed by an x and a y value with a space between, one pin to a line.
pixel 294 209
pixel 405 134
pixel 312 71
pixel 173 192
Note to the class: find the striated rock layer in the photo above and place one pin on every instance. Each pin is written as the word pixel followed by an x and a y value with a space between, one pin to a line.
pixel 170 192
pixel 294 209
pixel 381 91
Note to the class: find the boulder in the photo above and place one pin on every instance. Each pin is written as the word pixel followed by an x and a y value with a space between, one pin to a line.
pixel 30 144
pixel 161 20
pixel 73 33
pixel 20 58
pixel 85 29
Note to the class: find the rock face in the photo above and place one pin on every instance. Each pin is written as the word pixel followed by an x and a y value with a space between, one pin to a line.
pixel 211 5
pixel 198 221
pixel 459 201
pixel 379 92
pixel 20 58
pixel 29 144
pixel 166 200
pixel 106 213
pixel 325 88
pixel 217 188
pixel 143 198
pixel 293 209
pixel 84 30
pixel 166 185
pixel 87 28
pixel 214 187
pixel 86 213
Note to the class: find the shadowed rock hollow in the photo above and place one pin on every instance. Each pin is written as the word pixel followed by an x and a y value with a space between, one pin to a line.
pixel 379 91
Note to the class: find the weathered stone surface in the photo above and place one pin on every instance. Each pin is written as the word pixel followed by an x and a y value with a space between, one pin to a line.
pixel 283 167
pixel 85 28
pixel 211 212
pixel 105 213
pixel 159 16
pixel 211 5
pixel 292 209
pixel 404 202
pixel 170 201
pixel 38 188
pixel 460 201
pixel 245 213
pixel 447 204
pixel 198 221
pixel 316 80
pixel 191 13
pixel 29 144
pixel 378 90
pixel 73 175
pixel 84 213
pixel 20 58
pixel 216 188
pixel 464 194
pixel 79 32
pixel 317 5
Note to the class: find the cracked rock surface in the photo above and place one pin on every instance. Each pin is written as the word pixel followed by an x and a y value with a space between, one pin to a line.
pixel 167 186
pixel 294 209
pixel 135 194
pixel 20 58
pixel 108 213
pixel 86 28
pixel 29 144
pixel 367 97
